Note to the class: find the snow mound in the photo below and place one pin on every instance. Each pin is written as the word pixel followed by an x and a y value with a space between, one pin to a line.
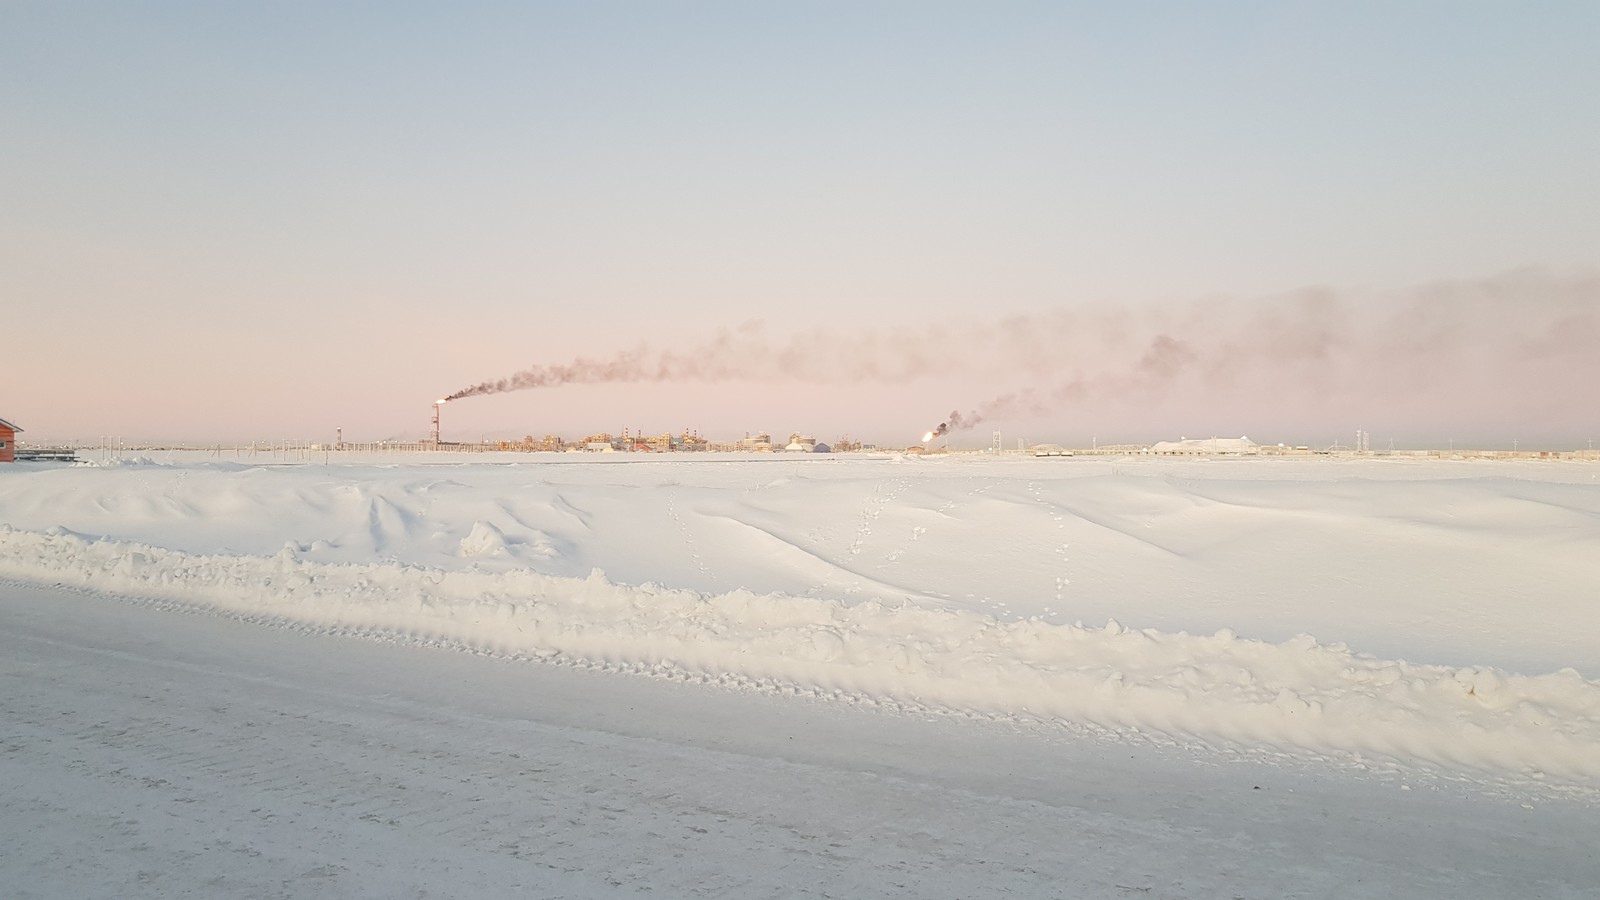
pixel 119 462
pixel 483 540
pixel 1298 695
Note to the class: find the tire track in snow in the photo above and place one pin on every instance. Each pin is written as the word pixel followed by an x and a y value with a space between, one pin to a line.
pixel 308 777
pixel 425 781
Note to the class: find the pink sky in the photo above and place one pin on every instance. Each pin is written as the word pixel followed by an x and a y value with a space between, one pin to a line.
pixel 268 223
pixel 1488 362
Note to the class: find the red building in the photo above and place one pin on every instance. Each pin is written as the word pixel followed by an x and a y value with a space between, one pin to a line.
pixel 8 441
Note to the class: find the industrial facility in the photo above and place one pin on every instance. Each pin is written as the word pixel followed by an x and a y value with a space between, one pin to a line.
pixel 689 440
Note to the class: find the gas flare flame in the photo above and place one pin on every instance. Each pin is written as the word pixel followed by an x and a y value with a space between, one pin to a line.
pixel 955 422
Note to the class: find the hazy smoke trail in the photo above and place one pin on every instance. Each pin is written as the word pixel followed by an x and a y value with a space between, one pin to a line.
pixel 1522 343
pixel 1505 342
pixel 748 353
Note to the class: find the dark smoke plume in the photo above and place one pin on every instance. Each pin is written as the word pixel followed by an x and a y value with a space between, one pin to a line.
pixel 955 422
pixel 748 353
pixel 1523 341
pixel 1519 346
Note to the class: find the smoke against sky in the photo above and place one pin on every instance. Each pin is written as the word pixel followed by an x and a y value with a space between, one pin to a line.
pixel 274 221
pixel 1451 355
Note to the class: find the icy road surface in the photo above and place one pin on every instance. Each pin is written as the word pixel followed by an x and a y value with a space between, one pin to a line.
pixel 150 753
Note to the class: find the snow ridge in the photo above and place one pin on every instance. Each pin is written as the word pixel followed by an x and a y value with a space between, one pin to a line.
pixel 1298 695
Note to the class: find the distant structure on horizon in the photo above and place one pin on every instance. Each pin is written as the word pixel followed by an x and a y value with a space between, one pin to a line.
pixel 8 441
pixel 1239 446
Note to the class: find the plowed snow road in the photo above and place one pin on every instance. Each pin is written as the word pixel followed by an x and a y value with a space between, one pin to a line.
pixel 152 753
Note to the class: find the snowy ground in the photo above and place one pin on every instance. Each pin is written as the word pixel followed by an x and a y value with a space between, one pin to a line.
pixel 1292 678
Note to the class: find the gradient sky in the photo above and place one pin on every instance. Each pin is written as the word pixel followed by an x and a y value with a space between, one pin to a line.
pixel 265 221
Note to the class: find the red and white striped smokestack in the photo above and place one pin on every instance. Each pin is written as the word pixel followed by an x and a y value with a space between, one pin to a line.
pixel 436 405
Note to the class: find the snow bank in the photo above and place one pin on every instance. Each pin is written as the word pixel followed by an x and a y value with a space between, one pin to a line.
pixel 1298 695
pixel 1452 563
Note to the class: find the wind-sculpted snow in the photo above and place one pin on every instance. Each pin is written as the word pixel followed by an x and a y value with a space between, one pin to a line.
pixel 1297 695
pixel 1451 562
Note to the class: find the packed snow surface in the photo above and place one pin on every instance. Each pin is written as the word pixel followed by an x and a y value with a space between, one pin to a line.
pixel 148 754
pixel 1425 612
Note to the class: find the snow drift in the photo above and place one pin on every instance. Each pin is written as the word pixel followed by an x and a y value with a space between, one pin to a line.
pixel 1298 695
pixel 1453 602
